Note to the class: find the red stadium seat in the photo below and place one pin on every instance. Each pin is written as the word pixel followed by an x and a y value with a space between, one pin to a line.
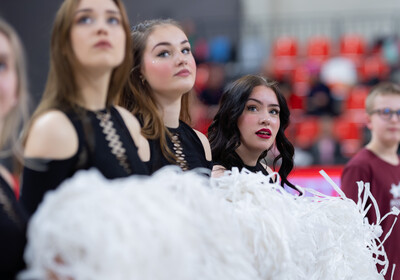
pixel 356 98
pixel 349 135
pixel 306 132
pixel 319 48
pixel 285 47
pixel 373 67
pixel 352 45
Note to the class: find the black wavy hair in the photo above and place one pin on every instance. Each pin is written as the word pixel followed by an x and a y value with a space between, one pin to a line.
pixel 224 134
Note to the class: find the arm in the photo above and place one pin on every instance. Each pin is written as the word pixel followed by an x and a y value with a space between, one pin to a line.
pixel 134 128
pixel 52 141
pixel 206 144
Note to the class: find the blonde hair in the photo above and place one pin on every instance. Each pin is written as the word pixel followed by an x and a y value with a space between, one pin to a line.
pixel 62 91
pixel 19 113
pixel 137 96
pixel 384 88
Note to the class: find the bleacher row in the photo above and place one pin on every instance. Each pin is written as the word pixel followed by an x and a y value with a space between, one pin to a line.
pixel 297 64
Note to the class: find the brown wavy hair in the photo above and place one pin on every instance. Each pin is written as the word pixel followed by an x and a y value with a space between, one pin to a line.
pixel 137 96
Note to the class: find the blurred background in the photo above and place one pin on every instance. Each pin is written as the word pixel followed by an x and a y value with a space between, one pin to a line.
pixel 326 56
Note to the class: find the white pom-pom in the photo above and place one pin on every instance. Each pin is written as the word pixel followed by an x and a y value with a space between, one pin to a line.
pixel 168 226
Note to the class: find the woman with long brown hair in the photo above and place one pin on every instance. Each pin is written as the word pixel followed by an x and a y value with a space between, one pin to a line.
pixel 161 78
pixel 76 125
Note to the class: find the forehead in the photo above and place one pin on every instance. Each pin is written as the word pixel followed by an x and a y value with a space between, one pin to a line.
pixel 264 94
pixel 97 4
pixel 5 48
pixel 387 101
pixel 165 33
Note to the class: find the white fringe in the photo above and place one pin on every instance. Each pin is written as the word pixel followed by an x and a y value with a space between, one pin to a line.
pixel 181 225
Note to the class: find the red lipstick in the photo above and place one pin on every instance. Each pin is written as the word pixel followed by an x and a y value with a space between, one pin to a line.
pixel 264 133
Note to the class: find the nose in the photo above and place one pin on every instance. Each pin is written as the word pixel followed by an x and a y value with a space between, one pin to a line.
pixel 182 59
pixel 395 116
pixel 265 120
pixel 102 27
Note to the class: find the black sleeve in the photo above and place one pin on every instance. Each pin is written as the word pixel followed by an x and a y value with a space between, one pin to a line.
pixel 12 234
pixel 40 177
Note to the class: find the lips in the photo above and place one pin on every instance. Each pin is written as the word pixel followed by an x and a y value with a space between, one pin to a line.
pixel 264 133
pixel 103 44
pixel 183 73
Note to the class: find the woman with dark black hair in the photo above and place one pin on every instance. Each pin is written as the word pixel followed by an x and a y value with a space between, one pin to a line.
pixel 252 118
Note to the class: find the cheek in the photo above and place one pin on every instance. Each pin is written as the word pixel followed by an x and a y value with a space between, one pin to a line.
pixel 8 90
pixel 192 64
pixel 121 39
pixel 246 121
pixel 156 71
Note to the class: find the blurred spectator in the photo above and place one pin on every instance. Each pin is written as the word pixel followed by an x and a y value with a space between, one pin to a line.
pixel 326 150
pixel 214 86
pixel 320 100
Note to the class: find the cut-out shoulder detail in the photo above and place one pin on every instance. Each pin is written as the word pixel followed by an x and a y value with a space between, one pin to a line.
pixel 134 128
pixel 51 136
pixel 206 144
pixel 218 171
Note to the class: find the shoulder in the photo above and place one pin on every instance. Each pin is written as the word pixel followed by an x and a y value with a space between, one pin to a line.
pixel 360 160
pixel 206 144
pixel 218 171
pixel 51 135
pixel 134 128
pixel 130 120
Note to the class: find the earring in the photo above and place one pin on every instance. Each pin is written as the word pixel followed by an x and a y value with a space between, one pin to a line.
pixel 142 79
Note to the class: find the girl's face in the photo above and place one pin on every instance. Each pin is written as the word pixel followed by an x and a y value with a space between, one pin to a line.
pixel 8 77
pixel 97 35
pixel 259 122
pixel 168 64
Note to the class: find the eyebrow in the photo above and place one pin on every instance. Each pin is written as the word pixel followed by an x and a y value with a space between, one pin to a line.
pixel 259 102
pixel 87 10
pixel 168 44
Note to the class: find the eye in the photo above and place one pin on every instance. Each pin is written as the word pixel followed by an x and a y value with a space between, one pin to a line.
pixel 114 21
pixel 164 54
pixel 3 66
pixel 85 20
pixel 252 108
pixel 274 112
pixel 386 112
pixel 186 50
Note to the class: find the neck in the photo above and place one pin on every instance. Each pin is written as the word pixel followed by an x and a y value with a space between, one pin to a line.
pixel 385 152
pixel 170 109
pixel 94 89
pixel 248 157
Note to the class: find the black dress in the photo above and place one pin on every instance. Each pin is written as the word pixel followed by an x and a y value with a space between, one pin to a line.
pixel 105 143
pixel 186 146
pixel 236 161
pixel 12 233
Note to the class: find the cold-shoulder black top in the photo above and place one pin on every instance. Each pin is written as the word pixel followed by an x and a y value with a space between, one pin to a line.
pixel 105 143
